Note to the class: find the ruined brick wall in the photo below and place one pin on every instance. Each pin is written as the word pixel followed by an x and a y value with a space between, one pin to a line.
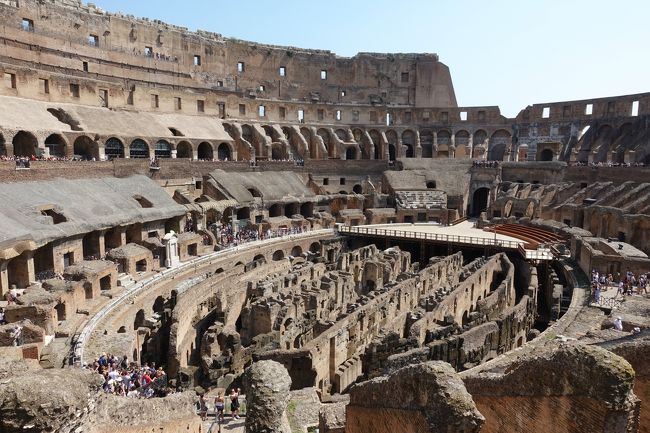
pixel 550 414
pixel 208 63
pixel 636 350
pixel 574 389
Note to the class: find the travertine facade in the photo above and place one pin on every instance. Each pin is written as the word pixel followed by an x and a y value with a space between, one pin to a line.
pixel 201 230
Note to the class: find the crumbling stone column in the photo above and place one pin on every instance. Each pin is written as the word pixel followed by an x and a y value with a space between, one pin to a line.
pixel 428 397
pixel 4 279
pixel 267 385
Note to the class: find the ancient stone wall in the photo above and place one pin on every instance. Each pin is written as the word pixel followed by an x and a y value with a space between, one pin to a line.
pixel 575 388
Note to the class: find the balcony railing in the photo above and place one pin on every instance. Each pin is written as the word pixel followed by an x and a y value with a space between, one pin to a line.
pixel 436 237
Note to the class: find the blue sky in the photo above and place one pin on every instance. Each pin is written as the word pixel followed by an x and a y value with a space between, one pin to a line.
pixel 507 53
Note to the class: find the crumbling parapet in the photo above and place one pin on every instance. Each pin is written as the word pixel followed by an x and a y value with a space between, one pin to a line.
pixel 428 397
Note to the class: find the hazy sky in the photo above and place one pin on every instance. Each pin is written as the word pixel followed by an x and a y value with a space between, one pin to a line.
pixel 506 53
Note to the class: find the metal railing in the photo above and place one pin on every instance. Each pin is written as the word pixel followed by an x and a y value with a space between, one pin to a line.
pixel 436 237
pixel 81 338
pixel 606 302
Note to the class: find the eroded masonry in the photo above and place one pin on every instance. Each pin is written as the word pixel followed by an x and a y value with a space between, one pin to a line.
pixel 184 214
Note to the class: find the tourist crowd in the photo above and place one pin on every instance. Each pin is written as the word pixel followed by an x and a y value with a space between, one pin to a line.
pixel 626 284
pixel 24 160
pixel 605 164
pixel 226 238
pixel 129 379
pixel 486 164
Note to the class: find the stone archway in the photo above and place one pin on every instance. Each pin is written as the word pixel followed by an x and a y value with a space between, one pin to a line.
pixel 223 152
pixel 205 151
pixel 113 148
pixel 546 155
pixel 56 144
pixel 25 144
pixel 139 149
pixel 480 200
pixel 184 150
pixel 163 149
pixel 85 148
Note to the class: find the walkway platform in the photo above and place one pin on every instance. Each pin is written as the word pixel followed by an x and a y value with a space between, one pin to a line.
pixel 462 234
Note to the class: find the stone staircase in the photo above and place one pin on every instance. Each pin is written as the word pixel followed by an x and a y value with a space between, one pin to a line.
pixel 421 199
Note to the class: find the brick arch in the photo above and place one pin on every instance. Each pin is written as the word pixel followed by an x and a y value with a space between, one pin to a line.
pixel 25 144
pixel 205 151
pixel 184 149
pixel 57 144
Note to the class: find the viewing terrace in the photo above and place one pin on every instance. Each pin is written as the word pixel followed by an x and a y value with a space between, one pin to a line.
pixel 464 234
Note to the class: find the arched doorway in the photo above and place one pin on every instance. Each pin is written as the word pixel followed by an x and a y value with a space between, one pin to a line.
pixel 351 153
pixel 408 140
pixel 278 255
pixel 25 144
pixel 113 148
pixel 391 152
pixel 307 210
pixel 426 141
pixel 325 135
pixel 276 210
pixel 277 153
pixel 56 144
pixel 184 150
pixel 223 152
pixel 375 137
pixel 139 149
pixel 546 155
pixel 60 311
pixel 357 189
pixel 480 200
pixel 163 149
pixel 205 152
pixel 499 144
pixel 85 148
pixel 139 319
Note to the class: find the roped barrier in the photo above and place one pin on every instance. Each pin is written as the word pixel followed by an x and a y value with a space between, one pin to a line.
pixel 89 327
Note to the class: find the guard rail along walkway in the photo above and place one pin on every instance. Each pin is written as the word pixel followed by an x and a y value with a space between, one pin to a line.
pixel 91 324
pixel 542 252
pixel 433 237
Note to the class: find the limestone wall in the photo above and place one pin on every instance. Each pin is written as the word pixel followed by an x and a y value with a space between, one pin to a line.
pixel 573 389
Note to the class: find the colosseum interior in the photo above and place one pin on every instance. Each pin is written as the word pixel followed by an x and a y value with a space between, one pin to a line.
pixel 335 236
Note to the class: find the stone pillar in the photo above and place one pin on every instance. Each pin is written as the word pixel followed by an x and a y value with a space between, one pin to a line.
pixel 267 385
pixel 171 250
pixel 470 145
pixel 174 152
pixel 101 150
pixel 195 154
pixel 31 272
pixel 102 243
pixel 122 236
pixel 418 146
pixel 4 279
pixel 42 147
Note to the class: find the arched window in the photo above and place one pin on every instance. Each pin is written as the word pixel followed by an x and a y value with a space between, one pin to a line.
pixel 205 152
pixel 113 148
pixel 223 152
pixel 139 149
pixel 163 149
